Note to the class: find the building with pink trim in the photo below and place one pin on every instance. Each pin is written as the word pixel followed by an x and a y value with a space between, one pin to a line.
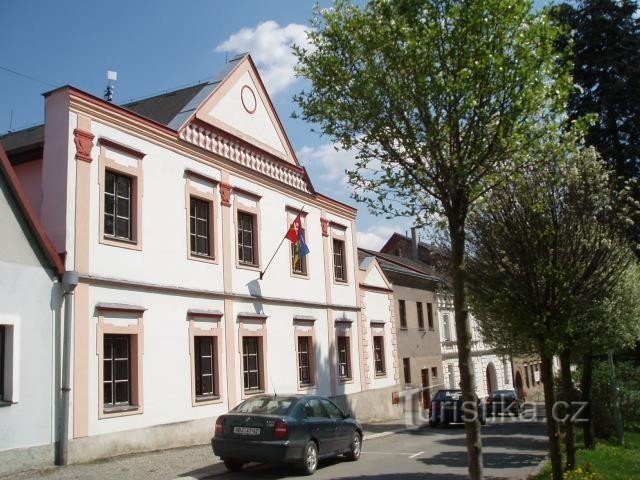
pixel 169 209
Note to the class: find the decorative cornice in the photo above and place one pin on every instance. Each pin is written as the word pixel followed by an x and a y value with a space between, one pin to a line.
pixel 250 158
pixel 107 142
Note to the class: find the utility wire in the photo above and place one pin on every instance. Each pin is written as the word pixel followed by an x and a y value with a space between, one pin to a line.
pixel 27 76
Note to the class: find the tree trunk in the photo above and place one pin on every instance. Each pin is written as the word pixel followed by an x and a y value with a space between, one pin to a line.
pixel 463 332
pixel 587 396
pixel 567 393
pixel 555 457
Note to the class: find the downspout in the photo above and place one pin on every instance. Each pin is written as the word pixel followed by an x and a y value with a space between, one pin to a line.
pixel 69 283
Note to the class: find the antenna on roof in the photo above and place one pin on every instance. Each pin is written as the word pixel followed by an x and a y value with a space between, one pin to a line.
pixel 108 92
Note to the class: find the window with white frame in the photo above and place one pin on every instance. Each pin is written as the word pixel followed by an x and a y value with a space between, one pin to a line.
pixel 246 239
pixel 305 352
pixel 118 206
pixel 378 354
pixel 446 326
pixel 120 182
pixel 200 231
pixel 251 361
pixel 205 358
pixel 116 371
pixel 339 273
pixel 344 357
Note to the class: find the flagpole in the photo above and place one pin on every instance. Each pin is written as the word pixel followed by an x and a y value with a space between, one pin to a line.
pixel 274 253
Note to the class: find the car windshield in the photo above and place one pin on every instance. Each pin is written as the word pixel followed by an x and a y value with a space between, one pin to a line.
pixel 265 405
pixel 503 393
pixel 448 395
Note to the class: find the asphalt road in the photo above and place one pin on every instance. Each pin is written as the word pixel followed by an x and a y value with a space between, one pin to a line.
pixel 512 449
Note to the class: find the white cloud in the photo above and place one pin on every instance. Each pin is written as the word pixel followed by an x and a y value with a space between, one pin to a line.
pixel 328 163
pixel 376 236
pixel 270 47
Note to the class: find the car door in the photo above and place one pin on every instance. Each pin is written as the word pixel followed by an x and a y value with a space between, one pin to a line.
pixel 342 430
pixel 319 425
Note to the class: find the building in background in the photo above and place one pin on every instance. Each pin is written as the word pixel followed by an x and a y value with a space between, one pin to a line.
pixel 492 371
pixel 30 328
pixel 171 209
pixel 416 322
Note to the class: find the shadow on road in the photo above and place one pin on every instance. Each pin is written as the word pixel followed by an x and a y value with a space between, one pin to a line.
pixel 491 460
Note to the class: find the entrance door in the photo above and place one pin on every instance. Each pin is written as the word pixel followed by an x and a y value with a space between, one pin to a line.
pixel 426 395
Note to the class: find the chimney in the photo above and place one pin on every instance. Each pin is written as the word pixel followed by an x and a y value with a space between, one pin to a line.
pixel 414 244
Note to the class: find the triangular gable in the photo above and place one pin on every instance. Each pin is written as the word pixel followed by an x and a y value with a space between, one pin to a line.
pixel 240 106
pixel 374 277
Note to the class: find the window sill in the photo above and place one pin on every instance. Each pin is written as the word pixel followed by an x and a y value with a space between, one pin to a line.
pixel 121 242
pixel 208 400
pixel 381 375
pixel 345 380
pixel 248 266
pixel 4 403
pixel 302 276
pixel 202 258
pixel 123 411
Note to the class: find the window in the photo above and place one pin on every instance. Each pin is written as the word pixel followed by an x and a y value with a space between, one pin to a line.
pixel 314 409
pixel 403 314
pixel 430 315
pixel 331 409
pixel 344 358
pixel 205 367
pixel 2 361
pixel 434 372
pixel 526 375
pixel 452 376
pixel 338 261
pixel 304 361
pixel 118 206
pixel 246 239
pixel 116 371
pixel 120 182
pixel 251 358
pixel 200 227
pixel 420 316
pixel 446 326
pixel 378 354
pixel 406 364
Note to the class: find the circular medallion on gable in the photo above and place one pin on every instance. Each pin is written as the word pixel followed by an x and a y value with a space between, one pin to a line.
pixel 248 99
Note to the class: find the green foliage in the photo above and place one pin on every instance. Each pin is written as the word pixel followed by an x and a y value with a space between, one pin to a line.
pixel 628 381
pixel 545 264
pixel 607 462
pixel 438 98
pixel 604 36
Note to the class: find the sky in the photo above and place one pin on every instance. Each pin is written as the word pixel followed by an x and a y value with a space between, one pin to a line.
pixel 161 46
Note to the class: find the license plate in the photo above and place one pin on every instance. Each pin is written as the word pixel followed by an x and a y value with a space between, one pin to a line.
pixel 246 430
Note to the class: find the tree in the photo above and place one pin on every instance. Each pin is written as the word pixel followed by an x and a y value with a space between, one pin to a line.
pixel 605 52
pixel 439 98
pixel 546 264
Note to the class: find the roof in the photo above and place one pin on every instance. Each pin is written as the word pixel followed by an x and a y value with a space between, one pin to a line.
pixel 171 109
pixel 401 265
pixel 6 170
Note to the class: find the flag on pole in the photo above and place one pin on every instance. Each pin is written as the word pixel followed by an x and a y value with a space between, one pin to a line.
pixel 296 236
pixel 294 229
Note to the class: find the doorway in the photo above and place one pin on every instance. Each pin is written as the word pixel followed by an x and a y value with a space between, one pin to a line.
pixel 426 394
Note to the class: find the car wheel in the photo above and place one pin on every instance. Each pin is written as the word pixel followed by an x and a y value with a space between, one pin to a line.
pixel 310 459
pixel 355 448
pixel 233 464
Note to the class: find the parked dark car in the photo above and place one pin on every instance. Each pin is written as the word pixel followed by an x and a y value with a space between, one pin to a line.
pixel 446 407
pixel 298 429
pixel 503 401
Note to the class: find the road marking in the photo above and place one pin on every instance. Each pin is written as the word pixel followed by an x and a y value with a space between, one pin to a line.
pixel 410 455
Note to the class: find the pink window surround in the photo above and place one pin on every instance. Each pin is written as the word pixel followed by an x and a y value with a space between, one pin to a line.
pixel 206 323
